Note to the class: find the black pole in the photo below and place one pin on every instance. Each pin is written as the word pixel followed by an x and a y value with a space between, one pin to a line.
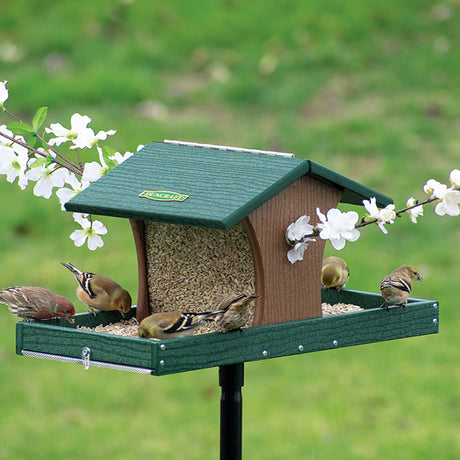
pixel 231 379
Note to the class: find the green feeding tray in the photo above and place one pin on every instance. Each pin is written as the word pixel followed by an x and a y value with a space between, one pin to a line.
pixel 59 340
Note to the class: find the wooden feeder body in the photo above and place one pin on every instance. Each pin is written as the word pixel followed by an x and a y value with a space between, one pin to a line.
pixel 228 234
pixel 184 268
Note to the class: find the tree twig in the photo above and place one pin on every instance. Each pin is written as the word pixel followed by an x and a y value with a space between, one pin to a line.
pixel 364 222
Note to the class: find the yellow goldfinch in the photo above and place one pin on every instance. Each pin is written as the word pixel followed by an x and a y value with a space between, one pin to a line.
pixel 234 312
pixel 396 286
pixel 97 291
pixel 168 325
pixel 31 302
pixel 334 273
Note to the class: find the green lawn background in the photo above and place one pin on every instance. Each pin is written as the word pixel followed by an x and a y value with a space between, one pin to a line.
pixel 368 89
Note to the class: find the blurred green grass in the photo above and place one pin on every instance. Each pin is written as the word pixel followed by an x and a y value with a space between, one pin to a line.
pixel 369 90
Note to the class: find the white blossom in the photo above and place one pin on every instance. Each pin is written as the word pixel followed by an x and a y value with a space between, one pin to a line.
pixel 94 171
pixel 382 216
pixel 449 203
pixel 6 131
pixel 78 125
pixel 414 212
pixel 3 92
pixel 86 139
pixel 119 158
pixel 435 188
pixel 298 229
pixel 371 207
pixel 90 231
pixel 338 227
pixel 47 178
pixel 448 197
pixel 13 163
pixel 67 193
pixel 387 214
pixel 296 253
pixel 455 177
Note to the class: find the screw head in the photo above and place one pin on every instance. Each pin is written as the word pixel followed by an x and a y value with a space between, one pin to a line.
pixel 335 343
pixel 435 305
pixel 162 362
pixel 435 320
pixel 265 353
pixel 300 347
pixel 163 346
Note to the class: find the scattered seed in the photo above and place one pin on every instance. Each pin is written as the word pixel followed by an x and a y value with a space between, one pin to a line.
pixel 130 328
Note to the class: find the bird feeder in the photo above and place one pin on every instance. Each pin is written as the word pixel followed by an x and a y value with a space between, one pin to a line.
pixel 208 221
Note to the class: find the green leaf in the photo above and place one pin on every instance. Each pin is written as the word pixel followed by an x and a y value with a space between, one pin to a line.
pixel 39 117
pixel 50 159
pixel 19 127
pixel 38 162
pixel 44 145
pixel 106 153
pixel 32 140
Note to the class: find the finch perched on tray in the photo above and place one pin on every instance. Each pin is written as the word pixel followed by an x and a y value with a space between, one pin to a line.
pixel 168 325
pixel 30 302
pixel 334 273
pixel 98 291
pixel 396 286
pixel 234 312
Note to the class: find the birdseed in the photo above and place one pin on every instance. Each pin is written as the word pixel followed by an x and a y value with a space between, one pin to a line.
pixel 338 308
pixel 193 269
pixel 130 328
pixel 125 327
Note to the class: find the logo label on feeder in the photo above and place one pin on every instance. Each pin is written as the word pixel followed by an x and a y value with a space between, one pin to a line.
pixel 163 195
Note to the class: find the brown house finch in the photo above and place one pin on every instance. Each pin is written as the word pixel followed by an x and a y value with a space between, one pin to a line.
pixel 396 286
pixel 29 302
pixel 334 273
pixel 234 311
pixel 97 291
pixel 168 325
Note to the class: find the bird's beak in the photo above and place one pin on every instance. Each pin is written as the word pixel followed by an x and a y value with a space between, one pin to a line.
pixel 419 278
pixel 70 319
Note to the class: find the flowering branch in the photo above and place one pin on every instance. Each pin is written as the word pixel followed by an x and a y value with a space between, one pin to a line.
pixel 70 166
pixel 32 158
pixel 339 227
pixel 35 133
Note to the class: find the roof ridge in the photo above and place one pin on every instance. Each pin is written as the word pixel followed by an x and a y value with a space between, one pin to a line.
pixel 233 149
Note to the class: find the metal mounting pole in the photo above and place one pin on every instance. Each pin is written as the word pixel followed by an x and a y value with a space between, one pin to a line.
pixel 231 379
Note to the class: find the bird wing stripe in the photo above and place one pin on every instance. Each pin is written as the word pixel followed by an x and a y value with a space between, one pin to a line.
pixel 396 283
pixel 183 323
pixel 86 284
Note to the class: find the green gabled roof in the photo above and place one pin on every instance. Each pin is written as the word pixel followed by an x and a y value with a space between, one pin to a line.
pixel 223 186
